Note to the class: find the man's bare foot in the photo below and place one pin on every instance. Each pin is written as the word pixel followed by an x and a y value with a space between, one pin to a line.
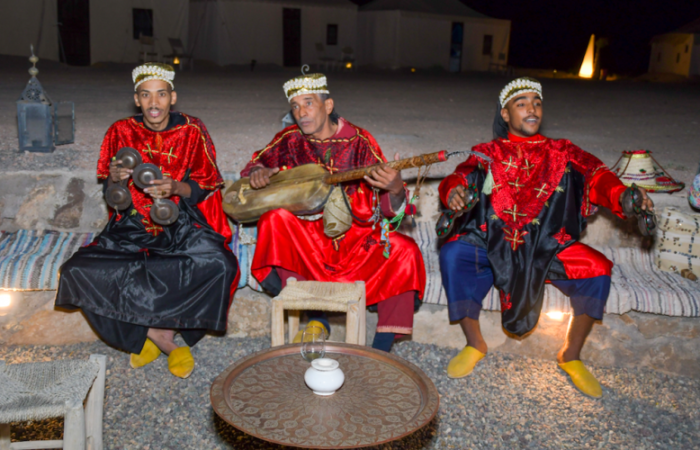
pixel 472 331
pixel 164 339
pixel 565 355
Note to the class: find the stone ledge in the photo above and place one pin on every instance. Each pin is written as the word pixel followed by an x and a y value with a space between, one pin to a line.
pixel 668 344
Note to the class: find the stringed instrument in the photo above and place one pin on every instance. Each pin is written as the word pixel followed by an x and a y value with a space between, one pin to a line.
pixel 305 189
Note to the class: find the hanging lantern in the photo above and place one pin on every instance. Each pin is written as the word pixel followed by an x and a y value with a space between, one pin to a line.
pixel 41 124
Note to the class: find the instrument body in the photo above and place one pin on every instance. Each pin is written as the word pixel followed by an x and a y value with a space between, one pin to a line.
pixel 302 190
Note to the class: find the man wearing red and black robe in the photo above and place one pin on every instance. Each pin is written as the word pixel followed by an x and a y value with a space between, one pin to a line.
pixel 140 282
pixel 291 246
pixel 534 195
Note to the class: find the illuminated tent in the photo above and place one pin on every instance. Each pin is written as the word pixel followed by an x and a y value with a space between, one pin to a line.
pixel 677 52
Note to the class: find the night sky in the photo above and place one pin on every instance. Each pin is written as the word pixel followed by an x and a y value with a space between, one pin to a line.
pixel 553 34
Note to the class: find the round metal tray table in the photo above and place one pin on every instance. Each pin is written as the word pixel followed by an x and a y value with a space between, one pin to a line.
pixel 384 398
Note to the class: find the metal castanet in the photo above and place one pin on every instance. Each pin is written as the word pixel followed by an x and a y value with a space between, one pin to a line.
pixel 117 195
pixel 129 157
pixel 303 190
pixel 145 173
pixel 631 202
pixel 163 211
pixel 447 219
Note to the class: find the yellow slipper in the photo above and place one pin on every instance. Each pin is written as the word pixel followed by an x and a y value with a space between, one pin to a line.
pixel 312 323
pixel 462 365
pixel 181 362
pixel 582 378
pixel 149 353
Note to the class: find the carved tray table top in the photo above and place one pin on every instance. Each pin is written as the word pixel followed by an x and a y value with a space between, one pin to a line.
pixel 384 398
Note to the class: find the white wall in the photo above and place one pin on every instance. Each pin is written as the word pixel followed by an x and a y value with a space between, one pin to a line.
pixel 111 27
pixel 394 39
pixel 665 53
pixel 313 30
pixel 379 39
pixel 474 31
pixel 21 24
pixel 236 32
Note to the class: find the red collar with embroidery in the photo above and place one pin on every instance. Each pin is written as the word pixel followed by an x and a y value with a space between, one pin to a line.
pixel 525 175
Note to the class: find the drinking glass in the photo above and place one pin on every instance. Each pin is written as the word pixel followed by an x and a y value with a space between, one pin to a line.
pixel 313 343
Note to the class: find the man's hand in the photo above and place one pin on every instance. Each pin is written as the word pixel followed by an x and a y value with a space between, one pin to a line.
pixel 647 203
pixel 260 176
pixel 384 177
pixel 116 173
pixel 167 187
pixel 455 201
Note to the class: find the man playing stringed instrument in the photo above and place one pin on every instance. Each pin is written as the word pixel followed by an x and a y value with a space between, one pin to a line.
pixel 533 199
pixel 289 246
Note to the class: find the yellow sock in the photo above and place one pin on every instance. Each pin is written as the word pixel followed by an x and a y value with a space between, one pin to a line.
pixel 149 353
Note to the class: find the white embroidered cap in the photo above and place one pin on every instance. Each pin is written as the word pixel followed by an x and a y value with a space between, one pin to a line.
pixel 313 83
pixel 153 71
pixel 519 86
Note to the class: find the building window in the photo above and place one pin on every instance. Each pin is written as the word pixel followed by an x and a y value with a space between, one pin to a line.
pixel 686 48
pixel 143 22
pixel 332 34
pixel 488 43
pixel 678 58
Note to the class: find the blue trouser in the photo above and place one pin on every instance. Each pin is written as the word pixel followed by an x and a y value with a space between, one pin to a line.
pixel 467 278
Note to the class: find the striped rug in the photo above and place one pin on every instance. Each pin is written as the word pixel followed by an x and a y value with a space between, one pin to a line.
pixel 637 285
pixel 29 259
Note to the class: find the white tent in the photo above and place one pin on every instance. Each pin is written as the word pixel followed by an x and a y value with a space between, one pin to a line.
pixel 108 27
pixel 428 33
pixel 282 32
pixel 677 52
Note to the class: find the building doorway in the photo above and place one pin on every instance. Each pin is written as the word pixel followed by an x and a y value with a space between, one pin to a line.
pixel 74 31
pixel 456 47
pixel 291 32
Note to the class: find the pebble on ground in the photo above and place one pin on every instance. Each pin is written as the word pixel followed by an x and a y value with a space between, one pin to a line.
pixel 508 402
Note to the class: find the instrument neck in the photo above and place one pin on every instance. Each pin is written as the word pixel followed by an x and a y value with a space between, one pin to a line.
pixel 415 161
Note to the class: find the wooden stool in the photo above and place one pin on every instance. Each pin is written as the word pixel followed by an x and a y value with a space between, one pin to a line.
pixel 36 391
pixel 298 296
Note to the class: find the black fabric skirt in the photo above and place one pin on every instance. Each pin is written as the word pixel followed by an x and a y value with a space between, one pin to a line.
pixel 129 280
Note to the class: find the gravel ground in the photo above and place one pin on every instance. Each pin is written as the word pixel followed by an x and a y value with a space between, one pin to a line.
pixel 509 402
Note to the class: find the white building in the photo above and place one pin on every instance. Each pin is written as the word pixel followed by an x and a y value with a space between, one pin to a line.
pixel 677 52
pixel 91 31
pixel 428 33
pixel 282 32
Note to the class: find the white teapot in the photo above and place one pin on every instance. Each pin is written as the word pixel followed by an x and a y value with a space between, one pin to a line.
pixel 324 377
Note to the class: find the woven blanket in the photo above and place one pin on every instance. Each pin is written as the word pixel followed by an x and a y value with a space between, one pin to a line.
pixel 637 285
pixel 36 391
pixel 29 259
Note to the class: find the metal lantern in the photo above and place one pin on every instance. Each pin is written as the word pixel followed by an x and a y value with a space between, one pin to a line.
pixel 41 123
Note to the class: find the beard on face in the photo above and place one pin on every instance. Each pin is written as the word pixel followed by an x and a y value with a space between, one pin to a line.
pixel 529 132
